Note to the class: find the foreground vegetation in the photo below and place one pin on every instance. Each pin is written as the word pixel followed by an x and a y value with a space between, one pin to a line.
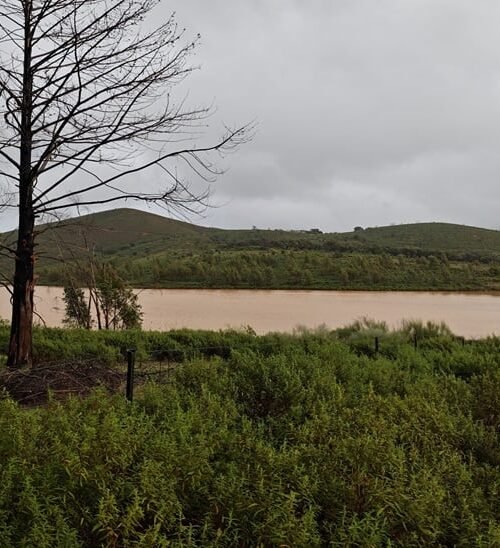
pixel 306 440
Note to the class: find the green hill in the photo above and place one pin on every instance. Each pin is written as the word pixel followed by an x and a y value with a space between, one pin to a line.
pixel 120 230
pixel 112 231
pixel 443 237
pixel 154 251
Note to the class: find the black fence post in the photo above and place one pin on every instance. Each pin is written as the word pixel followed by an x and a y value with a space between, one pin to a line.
pixel 377 345
pixel 130 374
pixel 415 341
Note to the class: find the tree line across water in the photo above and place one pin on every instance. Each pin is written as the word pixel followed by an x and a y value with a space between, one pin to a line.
pixel 301 269
pixel 305 440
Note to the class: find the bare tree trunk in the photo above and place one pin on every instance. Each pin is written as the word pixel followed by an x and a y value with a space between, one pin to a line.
pixel 95 300
pixel 93 285
pixel 89 312
pixel 20 345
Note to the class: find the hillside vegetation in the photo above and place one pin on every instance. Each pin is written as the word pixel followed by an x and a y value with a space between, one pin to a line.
pixel 307 440
pixel 437 237
pixel 152 251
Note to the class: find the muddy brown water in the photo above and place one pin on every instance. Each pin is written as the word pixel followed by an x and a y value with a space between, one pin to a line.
pixel 467 314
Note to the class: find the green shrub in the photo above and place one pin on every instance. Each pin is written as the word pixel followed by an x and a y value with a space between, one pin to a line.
pixel 294 441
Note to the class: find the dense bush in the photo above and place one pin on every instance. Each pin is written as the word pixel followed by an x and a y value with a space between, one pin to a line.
pixel 56 344
pixel 308 441
pixel 296 267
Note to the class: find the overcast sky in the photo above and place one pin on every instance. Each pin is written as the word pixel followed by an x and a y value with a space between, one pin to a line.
pixel 370 112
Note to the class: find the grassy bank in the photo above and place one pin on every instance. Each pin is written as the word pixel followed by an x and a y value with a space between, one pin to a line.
pixel 306 440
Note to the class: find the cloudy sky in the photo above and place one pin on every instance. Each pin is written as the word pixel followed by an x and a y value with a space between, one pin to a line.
pixel 369 112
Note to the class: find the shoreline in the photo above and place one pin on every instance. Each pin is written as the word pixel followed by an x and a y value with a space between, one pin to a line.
pixel 491 293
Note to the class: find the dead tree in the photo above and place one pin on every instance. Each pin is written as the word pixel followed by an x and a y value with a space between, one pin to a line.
pixel 86 94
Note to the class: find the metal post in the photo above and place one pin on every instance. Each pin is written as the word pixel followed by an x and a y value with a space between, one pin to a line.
pixel 415 341
pixel 377 344
pixel 130 374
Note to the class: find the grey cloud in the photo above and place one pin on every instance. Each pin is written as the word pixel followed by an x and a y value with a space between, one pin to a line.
pixel 387 110
pixel 368 112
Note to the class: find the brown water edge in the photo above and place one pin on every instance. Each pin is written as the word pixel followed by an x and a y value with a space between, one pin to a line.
pixel 470 315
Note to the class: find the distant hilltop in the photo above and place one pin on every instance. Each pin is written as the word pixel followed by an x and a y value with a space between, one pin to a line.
pixel 118 231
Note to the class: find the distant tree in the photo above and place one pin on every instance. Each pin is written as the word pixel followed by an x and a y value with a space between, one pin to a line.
pixel 77 308
pixel 83 83
pixel 116 304
pixel 105 296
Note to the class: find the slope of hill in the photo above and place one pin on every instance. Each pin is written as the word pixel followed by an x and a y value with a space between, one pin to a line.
pixel 153 251
pixel 110 231
pixel 119 230
pixel 444 237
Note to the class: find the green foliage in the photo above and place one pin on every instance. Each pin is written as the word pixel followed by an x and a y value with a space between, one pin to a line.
pixel 151 251
pixel 77 309
pixel 118 305
pixel 264 441
pixel 425 330
pixel 113 302
pixel 297 268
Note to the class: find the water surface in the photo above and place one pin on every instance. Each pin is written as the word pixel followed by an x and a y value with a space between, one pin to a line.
pixel 467 314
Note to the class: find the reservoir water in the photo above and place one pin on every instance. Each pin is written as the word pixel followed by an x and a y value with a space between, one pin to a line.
pixel 467 314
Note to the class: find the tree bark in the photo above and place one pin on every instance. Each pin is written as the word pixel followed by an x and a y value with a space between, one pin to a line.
pixel 20 345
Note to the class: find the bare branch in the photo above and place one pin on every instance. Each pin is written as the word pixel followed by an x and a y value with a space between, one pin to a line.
pixel 229 142
pixel 88 87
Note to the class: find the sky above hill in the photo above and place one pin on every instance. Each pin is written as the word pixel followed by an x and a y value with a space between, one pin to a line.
pixel 368 113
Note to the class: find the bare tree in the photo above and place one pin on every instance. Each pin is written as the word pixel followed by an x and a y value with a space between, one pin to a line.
pixel 85 93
